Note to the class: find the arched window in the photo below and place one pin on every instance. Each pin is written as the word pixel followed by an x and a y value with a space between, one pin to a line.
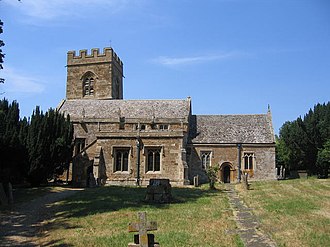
pixel 121 159
pixel 88 84
pixel 153 160
pixel 206 159
pixel 248 161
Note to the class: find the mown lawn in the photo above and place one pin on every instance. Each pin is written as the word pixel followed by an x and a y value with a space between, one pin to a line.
pixel 22 195
pixel 294 212
pixel 100 217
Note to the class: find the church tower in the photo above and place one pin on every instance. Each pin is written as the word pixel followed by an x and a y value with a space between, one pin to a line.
pixel 94 76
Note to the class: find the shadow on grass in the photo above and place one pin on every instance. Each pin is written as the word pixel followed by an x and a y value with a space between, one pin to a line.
pixel 22 223
pixel 114 198
pixel 28 223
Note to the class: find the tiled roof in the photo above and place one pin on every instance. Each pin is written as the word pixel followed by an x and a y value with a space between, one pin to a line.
pixel 231 129
pixel 104 109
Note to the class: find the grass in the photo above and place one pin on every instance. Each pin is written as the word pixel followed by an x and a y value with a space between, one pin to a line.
pixel 100 216
pixel 22 195
pixel 294 212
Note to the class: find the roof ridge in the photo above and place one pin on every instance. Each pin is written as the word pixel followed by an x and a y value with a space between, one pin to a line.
pixel 123 100
pixel 247 114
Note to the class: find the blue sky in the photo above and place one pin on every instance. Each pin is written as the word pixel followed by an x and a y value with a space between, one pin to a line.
pixel 230 56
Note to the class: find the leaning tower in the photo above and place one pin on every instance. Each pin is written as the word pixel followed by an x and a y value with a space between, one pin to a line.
pixel 94 76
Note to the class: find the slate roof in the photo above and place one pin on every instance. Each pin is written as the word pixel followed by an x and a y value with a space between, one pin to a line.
pixel 231 129
pixel 104 109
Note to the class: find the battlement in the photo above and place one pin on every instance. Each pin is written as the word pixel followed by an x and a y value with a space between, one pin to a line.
pixel 95 56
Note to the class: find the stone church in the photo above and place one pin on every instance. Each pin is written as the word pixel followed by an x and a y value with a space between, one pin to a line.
pixel 128 142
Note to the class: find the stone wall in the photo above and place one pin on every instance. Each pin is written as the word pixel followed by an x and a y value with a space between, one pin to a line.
pixel 264 161
pixel 171 167
pixel 108 71
pixel 106 136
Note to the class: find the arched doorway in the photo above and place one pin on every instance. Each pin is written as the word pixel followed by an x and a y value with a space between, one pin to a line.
pixel 226 174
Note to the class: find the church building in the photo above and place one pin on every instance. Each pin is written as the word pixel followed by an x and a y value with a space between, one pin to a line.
pixel 128 142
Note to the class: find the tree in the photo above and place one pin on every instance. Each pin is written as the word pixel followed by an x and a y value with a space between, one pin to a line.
pixel 35 150
pixel 283 153
pixel 323 160
pixel 211 173
pixel 12 151
pixel 49 145
pixel 1 53
pixel 300 142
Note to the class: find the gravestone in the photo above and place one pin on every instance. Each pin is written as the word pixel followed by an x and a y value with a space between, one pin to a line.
pixel 245 181
pixel 159 191
pixel 196 181
pixel 10 194
pixel 280 173
pixel 3 196
pixel 143 239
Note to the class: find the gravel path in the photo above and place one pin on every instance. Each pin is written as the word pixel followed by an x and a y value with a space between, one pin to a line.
pixel 21 226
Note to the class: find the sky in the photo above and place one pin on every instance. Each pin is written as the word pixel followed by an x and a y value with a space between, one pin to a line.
pixel 229 56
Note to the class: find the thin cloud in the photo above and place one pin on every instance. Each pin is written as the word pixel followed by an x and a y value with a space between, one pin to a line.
pixel 172 61
pixel 49 10
pixel 18 83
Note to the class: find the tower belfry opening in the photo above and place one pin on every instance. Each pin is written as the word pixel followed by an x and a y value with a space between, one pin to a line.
pixel 94 76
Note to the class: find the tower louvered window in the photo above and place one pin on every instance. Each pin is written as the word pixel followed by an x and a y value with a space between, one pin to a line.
pixel 88 85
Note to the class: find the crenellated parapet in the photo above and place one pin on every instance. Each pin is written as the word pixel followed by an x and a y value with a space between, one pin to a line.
pixel 94 56
pixel 93 74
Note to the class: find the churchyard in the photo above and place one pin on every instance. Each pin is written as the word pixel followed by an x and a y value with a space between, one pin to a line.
pixel 291 212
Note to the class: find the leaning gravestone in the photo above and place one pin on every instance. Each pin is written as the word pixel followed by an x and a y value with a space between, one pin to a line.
pixel 143 238
pixel 159 191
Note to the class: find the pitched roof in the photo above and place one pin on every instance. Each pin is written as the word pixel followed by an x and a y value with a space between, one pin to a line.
pixel 104 109
pixel 231 129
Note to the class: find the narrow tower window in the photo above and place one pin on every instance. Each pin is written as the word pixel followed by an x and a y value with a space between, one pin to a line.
pixel 88 84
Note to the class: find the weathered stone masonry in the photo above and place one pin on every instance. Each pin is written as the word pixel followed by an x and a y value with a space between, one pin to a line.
pixel 116 138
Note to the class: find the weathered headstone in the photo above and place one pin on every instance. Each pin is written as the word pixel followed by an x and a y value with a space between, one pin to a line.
pixel 245 181
pixel 159 191
pixel 143 239
pixel 10 194
pixel 196 181
pixel 3 196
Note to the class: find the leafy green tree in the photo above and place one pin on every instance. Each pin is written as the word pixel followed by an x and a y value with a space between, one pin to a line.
pixel 283 153
pixel 211 173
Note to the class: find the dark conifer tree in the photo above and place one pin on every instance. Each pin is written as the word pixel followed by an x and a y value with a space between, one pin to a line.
pixel 301 142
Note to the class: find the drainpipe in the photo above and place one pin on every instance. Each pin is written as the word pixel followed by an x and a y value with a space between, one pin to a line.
pixel 239 173
pixel 138 162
